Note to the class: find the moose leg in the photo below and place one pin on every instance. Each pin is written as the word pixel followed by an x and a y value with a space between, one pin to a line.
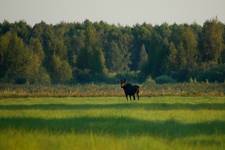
pixel 134 97
pixel 126 97
pixel 130 97
pixel 138 95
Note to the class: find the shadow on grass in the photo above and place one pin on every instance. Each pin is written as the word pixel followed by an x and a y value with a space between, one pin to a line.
pixel 117 126
pixel 150 106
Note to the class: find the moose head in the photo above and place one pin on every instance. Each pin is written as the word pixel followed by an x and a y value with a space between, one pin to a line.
pixel 122 83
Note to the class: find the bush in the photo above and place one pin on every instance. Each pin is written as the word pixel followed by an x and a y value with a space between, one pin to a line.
pixel 20 80
pixel 86 76
pixel 131 76
pixel 213 74
pixel 42 77
pixel 164 79
pixel 149 81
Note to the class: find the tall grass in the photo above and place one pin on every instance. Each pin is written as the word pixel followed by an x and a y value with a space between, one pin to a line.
pixel 181 89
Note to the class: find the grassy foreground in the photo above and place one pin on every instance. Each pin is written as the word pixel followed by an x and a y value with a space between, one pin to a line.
pixel 112 123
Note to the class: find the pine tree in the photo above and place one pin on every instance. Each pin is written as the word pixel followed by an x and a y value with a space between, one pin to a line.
pixel 143 57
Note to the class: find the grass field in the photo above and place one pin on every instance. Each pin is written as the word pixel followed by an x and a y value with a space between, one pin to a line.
pixel 111 123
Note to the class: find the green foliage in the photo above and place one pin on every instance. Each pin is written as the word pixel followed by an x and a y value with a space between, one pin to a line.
pixel 61 70
pixel 149 81
pixel 173 57
pixel 98 63
pixel 36 46
pixel 131 76
pixel 42 77
pixel 183 53
pixel 91 62
pixel 143 57
pixel 189 41
pixel 115 60
pixel 216 73
pixel 158 54
pixel 164 79
pixel 141 37
pixel 93 51
pixel 117 50
pixel 17 59
pixel 213 42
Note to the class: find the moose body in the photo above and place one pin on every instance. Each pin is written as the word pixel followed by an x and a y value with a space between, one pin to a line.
pixel 129 89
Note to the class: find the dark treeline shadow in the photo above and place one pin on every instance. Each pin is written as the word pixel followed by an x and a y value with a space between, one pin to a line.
pixel 151 106
pixel 117 126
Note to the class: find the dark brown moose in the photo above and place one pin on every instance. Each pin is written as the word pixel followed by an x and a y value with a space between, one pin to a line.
pixel 129 89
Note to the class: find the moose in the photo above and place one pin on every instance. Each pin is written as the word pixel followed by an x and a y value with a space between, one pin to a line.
pixel 129 89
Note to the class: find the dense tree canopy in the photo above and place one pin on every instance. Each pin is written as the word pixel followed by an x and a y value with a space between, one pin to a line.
pixel 94 52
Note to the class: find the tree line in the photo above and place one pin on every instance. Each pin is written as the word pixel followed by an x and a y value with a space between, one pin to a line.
pixel 101 52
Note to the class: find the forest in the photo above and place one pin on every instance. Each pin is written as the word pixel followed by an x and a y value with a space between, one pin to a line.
pixel 71 53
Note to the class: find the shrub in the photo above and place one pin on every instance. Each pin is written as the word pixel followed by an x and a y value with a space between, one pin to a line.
pixel 20 80
pixel 149 81
pixel 42 77
pixel 164 79
pixel 213 74
pixel 131 76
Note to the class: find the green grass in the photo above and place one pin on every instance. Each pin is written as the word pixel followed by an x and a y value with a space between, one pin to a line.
pixel 162 123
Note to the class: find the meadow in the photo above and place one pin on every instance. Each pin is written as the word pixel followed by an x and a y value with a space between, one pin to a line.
pixel 112 123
